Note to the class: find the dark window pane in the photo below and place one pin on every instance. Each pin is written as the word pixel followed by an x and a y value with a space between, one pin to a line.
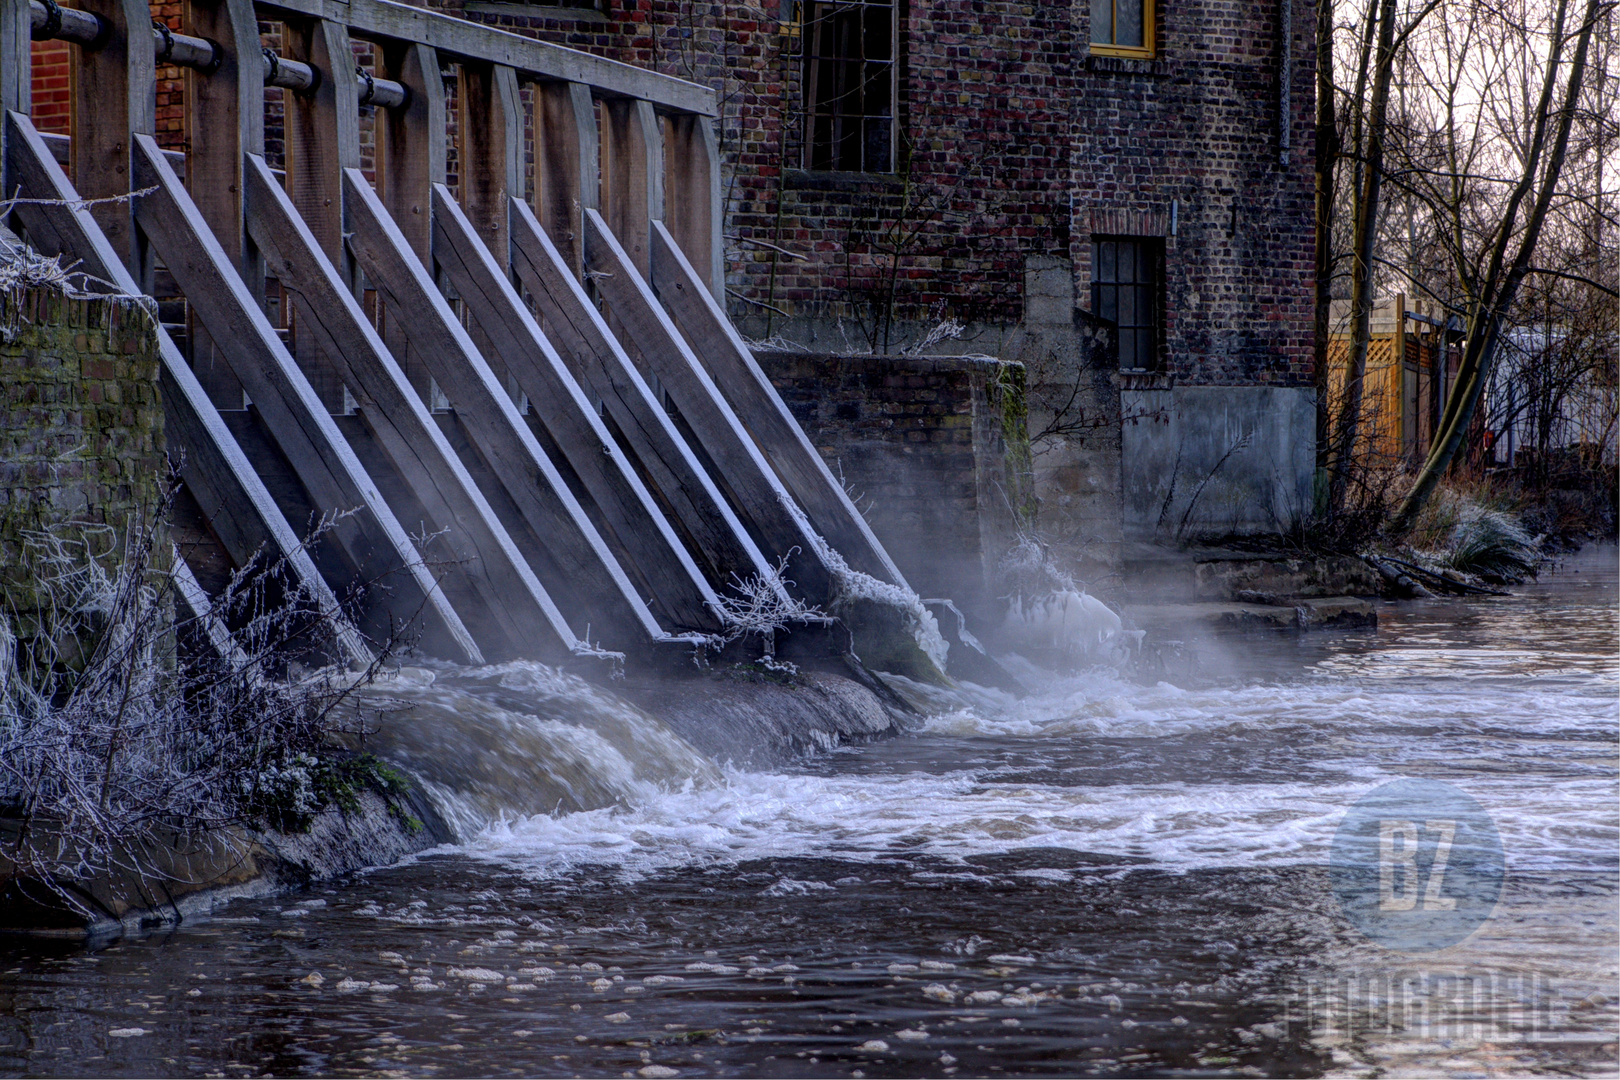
pixel 879 35
pixel 877 144
pixel 1125 293
pixel 1102 22
pixel 1128 28
pixel 849 84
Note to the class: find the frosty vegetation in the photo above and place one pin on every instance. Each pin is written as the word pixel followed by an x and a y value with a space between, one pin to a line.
pixel 121 729
pixel 764 605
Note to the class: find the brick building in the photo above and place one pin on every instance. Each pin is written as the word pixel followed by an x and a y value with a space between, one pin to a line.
pixel 1118 194
pixel 1034 171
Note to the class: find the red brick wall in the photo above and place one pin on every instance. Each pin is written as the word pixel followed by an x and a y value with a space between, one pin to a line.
pixel 1020 144
pixel 52 96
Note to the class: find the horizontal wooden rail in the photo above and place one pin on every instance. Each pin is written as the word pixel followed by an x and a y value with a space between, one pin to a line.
pixel 457 39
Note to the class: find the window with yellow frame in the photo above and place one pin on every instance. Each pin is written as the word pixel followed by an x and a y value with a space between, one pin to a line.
pixel 1122 27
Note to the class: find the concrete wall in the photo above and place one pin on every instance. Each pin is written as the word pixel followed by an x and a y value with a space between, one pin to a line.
pixel 934 450
pixel 1215 461
pixel 81 425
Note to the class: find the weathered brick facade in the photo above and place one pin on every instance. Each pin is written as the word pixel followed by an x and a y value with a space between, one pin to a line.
pixel 81 425
pixel 1016 142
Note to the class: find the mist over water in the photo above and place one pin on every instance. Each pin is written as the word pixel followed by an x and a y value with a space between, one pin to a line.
pixel 1110 876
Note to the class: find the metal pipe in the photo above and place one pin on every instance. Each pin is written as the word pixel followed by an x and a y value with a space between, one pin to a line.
pixel 289 74
pixel 49 20
pixel 383 93
pixel 186 51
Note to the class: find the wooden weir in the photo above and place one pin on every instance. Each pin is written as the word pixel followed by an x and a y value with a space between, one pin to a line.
pixel 429 369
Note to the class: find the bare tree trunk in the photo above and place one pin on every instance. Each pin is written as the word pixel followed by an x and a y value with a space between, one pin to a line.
pixel 1365 233
pixel 1327 163
pixel 1500 285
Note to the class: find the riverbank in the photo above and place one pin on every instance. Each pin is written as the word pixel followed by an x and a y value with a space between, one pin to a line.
pixel 475 756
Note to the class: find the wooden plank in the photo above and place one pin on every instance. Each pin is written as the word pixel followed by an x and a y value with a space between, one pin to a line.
pixel 16 62
pixel 462 40
pixel 631 521
pixel 695 504
pixel 632 175
pixel 224 120
pixel 322 133
pixel 489 148
pixel 732 367
pixel 410 160
pixel 692 205
pixel 411 143
pixel 576 559
pixel 322 138
pixel 114 96
pixel 233 499
pixel 759 496
pixel 492 586
pixel 377 547
pixel 566 164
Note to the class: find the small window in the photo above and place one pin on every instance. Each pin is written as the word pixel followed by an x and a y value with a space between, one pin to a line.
pixel 849 88
pixel 1122 27
pixel 1125 292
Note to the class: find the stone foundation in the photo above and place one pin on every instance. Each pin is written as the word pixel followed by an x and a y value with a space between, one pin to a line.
pixel 81 424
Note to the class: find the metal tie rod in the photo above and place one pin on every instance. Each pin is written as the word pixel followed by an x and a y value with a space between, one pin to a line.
pixel 51 20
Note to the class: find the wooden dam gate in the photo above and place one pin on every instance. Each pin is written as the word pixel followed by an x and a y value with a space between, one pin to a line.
pixel 523 411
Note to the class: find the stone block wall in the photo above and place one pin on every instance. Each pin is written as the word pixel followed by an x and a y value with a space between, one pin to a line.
pixel 81 423
pixel 934 450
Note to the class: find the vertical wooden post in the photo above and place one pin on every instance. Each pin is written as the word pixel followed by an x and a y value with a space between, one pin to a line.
pixel 489 143
pixel 692 203
pixel 410 160
pixel 322 132
pixel 16 60
pixel 410 142
pixel 224 120
pixel 632 175
pixel 322 139
pixel 567 153
pixel 114 98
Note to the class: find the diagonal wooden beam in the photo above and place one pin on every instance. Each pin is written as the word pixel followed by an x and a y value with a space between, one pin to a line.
pixel 695 504
pixel 646 545
pixel 371 537
pixel 717 345
pixel 492 586
pixel 567 552
pixel 759 496
pixel 237 505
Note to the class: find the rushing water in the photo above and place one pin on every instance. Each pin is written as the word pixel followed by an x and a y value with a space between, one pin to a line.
pixel 1107 877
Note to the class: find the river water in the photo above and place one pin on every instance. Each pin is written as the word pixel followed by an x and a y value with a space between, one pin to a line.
pixel 1113 876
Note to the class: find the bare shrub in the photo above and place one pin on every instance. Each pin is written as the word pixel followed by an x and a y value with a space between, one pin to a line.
pixel 121 730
